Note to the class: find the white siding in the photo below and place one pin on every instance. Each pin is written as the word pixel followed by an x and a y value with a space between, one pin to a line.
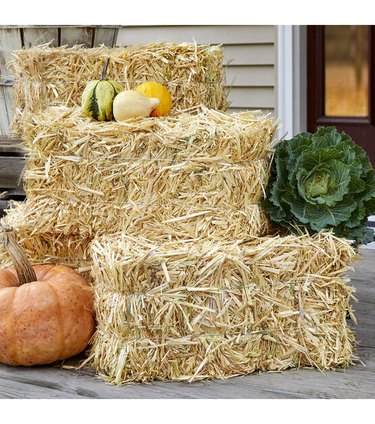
pixel 249 56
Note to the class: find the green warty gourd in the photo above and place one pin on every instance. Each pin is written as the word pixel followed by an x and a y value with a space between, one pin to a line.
pixel 98 96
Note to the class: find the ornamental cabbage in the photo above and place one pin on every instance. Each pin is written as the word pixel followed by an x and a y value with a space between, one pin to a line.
pixel 322 181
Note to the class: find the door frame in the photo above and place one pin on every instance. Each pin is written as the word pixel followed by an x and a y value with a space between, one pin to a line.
pixel 316 88
pixel 292 72
pixel 291 85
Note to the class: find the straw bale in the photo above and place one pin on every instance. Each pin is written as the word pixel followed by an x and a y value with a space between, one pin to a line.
pixel 188 176
pixel 42 214
pixel 236 137
pixel 190 310
pixel 46 247
pixel 46 76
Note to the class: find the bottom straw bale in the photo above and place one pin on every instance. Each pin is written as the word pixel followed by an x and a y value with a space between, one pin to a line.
pixel 191 310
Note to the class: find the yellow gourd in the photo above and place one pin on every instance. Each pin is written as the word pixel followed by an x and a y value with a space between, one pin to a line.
pixel 131 104
pixel 159 91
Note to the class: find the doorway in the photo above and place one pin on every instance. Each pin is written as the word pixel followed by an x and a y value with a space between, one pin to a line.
pixel 341 81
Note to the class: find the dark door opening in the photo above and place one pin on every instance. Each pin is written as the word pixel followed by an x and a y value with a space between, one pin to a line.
pixel 341 81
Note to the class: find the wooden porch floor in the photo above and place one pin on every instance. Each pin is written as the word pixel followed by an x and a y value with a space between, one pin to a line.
pixel 357 381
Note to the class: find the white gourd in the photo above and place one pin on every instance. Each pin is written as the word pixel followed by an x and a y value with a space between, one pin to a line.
pixel 131 104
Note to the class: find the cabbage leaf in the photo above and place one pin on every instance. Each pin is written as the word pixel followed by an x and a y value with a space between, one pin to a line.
pixel 322 181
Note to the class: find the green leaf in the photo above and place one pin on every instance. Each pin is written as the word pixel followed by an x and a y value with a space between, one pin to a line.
pixel 326 184
pixel 321 181
pixel 360 234
pixel 323 217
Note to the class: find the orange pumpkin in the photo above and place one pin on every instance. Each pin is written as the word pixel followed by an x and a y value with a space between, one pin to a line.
pixel 46 311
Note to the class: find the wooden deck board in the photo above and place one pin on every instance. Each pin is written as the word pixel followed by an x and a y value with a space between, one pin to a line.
pixel 357 381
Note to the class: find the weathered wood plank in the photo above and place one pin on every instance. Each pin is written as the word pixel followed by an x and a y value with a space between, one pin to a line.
pixel 46 384
pixel 75 35
pixel 10 39
pixel 7 81
pixel 11 168
pixel 3 205
pixel 35 36
pixel 16 193
pixel 365 330
pixel 11 145
pixel 363 279
pixel 106 36
pixel 4 119
pixel 353 382
pixel 12 162
pixel 11 390
pixel 366 292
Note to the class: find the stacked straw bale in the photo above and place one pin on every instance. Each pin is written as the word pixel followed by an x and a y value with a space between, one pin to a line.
pixel 189 310
pixel 165 213
pixel 191 176
pixel 46 76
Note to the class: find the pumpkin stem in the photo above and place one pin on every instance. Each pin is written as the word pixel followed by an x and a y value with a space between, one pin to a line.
pixel 105 67
pixel 22 265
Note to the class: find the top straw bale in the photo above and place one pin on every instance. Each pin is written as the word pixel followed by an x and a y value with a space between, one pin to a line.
pixel 46 76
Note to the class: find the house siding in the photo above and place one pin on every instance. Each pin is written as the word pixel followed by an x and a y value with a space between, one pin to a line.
pixel 249 57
